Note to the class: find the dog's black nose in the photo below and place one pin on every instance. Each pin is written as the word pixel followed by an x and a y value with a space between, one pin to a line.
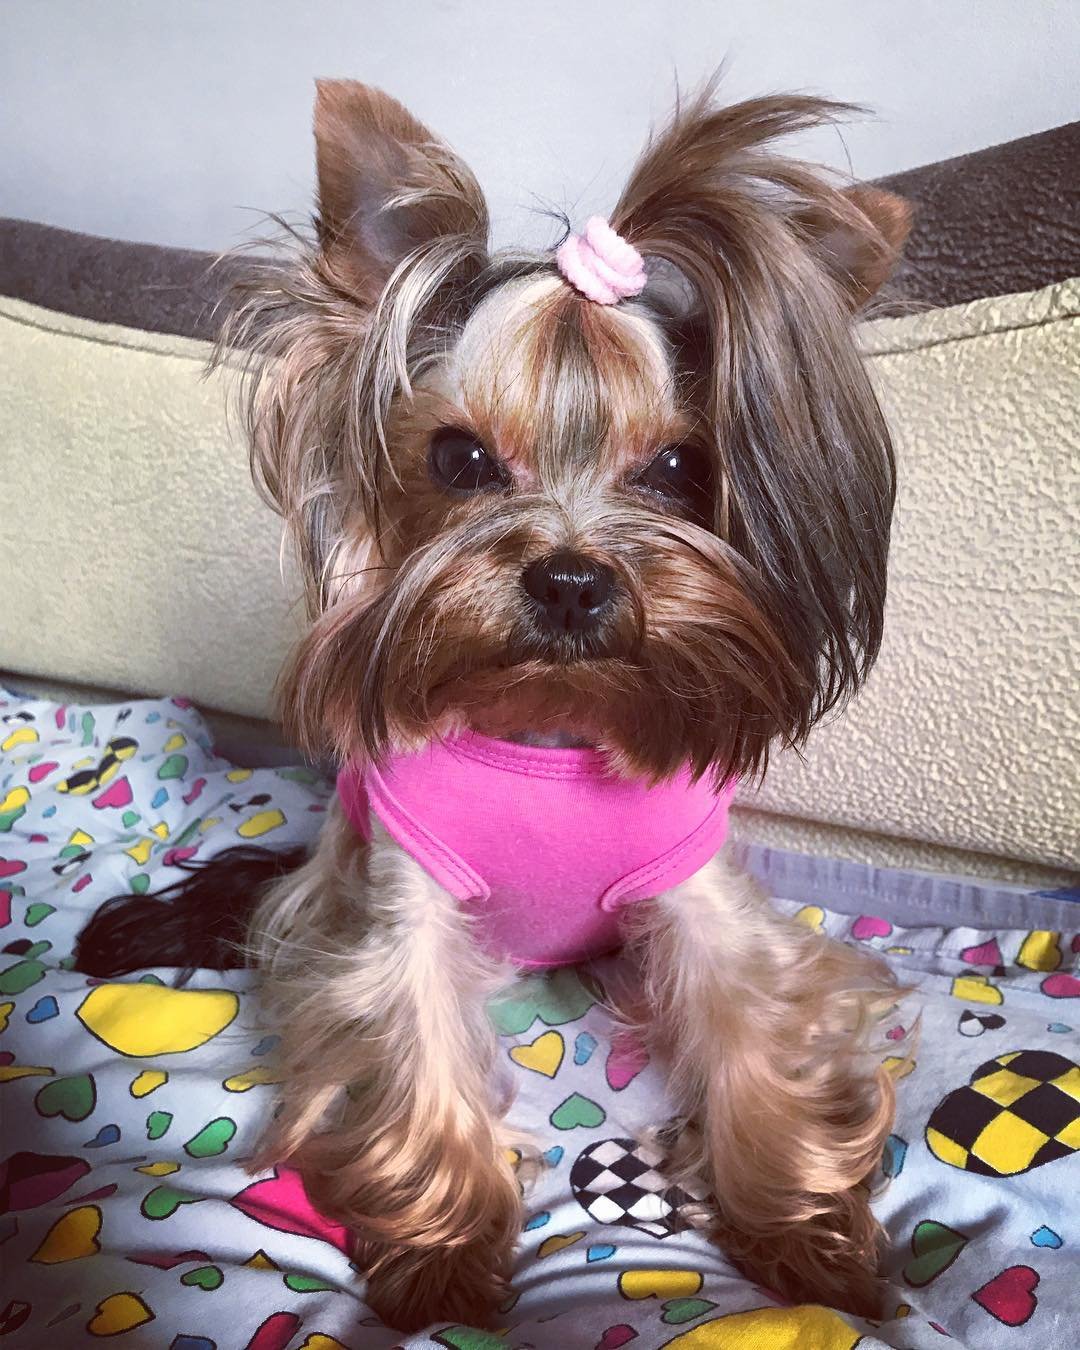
pixel 570 591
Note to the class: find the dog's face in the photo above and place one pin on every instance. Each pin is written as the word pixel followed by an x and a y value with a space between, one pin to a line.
pixel 660 527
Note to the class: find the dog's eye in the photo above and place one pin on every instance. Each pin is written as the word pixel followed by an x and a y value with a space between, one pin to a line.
pixel 683 475
pixel 457 460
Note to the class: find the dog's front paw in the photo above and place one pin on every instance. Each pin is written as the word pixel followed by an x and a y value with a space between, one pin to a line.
pixel 414 1288
pixel 812 1263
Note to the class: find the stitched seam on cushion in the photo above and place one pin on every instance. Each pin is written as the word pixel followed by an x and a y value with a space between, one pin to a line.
pixel 59 331
pixel 870 353
pixel 470 881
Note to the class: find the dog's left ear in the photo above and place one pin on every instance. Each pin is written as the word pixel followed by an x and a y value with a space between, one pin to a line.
pixel 859 237
pixel 387 187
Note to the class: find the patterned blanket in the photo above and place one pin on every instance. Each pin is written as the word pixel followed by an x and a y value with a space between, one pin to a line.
pixel 130 1107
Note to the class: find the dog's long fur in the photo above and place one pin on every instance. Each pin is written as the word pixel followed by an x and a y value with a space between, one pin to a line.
pixel 767 1029
pixel 733 630
pixel 380 993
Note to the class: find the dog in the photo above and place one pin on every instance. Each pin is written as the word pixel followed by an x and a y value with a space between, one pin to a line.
pixel 585 534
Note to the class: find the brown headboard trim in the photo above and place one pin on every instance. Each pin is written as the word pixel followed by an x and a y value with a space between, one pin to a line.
pixel 145 286
pixel 990 223
pixel 995 222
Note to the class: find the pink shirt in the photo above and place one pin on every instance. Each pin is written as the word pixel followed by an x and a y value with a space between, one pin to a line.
pixel 544 845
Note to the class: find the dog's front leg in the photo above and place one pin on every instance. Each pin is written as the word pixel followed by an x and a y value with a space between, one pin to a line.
pixel 765 1025
pixel 379 992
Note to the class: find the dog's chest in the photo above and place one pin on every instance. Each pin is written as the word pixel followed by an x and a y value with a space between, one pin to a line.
pixel 544 845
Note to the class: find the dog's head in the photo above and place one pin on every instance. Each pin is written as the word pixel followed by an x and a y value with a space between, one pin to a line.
pixel 659 526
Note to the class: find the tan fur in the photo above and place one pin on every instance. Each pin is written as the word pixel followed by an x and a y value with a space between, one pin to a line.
pixel 732 627
pixel 388 1104
pixel 769 1032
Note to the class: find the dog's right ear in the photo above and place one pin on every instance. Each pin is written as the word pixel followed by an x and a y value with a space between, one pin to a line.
pixel 387 187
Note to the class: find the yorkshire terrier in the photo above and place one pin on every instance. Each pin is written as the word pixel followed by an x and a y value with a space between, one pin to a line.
pixel 584 534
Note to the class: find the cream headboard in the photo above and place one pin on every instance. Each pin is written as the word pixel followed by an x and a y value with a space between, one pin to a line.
pixel 968 733
pixel 136 551
pixel 136 556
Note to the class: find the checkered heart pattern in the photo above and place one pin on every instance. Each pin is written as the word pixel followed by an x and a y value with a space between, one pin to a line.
pixel 617 1181
pixel 1019 1111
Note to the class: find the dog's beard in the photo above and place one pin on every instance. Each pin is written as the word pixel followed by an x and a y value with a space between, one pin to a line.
pixel 686 670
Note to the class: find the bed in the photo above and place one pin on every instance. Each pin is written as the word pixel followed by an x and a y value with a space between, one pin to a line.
pixel 935 822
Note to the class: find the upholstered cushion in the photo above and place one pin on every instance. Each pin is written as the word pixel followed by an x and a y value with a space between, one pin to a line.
pixel 136 555
pixel 134 552
pixel 967 733
pixel 994 222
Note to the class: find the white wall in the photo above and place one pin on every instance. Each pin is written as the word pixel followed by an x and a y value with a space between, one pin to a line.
pixel 178 121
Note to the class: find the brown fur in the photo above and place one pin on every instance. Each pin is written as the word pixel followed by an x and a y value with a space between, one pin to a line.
pixel 728 634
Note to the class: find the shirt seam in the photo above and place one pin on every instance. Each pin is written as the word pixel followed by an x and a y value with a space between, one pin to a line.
pixel 379 795
pixel 529 765
pixel 649 871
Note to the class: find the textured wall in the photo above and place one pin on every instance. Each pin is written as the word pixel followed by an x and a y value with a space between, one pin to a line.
pixel 142 560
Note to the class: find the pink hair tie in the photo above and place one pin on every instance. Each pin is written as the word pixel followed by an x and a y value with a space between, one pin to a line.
pixel 601 264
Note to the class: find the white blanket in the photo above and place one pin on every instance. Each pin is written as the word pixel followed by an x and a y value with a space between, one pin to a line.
pixel 129 1108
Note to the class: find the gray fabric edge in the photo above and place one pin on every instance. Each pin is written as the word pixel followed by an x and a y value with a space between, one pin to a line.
pixel 908 899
